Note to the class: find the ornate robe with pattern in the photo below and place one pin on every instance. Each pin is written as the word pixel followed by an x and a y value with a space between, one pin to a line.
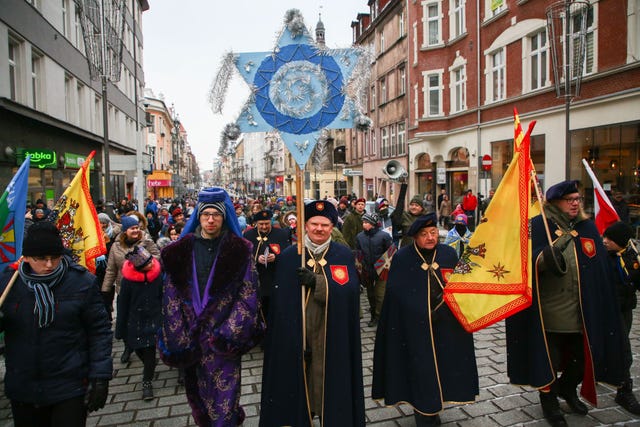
pixel 209 346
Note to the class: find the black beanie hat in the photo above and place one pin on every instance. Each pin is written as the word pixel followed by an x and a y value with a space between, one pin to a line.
pixel 43 238
pixel 619 232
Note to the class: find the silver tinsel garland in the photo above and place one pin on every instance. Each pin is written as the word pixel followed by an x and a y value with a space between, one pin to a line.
pixel 220 84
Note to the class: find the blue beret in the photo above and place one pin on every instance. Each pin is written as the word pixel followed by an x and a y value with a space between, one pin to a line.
pixel 428 220
pixel 262 215
pixel 561 189
pixel 321 208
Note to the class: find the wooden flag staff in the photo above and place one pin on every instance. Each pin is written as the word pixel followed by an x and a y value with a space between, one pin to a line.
pixel 301 250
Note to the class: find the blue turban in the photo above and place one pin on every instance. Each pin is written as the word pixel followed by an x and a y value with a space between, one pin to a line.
pixel 219 199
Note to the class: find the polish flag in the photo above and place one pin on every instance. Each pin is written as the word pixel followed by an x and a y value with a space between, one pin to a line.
pixel 605 214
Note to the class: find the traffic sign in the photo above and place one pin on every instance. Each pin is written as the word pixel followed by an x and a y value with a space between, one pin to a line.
pixel 486 162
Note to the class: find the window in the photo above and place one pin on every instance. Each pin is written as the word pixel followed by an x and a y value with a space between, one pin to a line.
pixel 633 25
pixel 382 46
pixel 77 28
pixel 432 24
pixel 65 18
pixel 374 142
pixel 576 24
pixel 458 24
pixel 402 149
pixel 498 83
pixel 14 69
pixel 401 29
pixel 415 43
pixel 82 113
pixel 97 114
pixel 494 7
pixel 538 61
pixel 394 141
pixel 373 9
pixel 458 89
pixel 432 93
pixel 383 90
pixel 402 80
pixel 384 136
pixel 68 98
pixel 373 98
pixel 415 105
pixel 35 3
pixel 36 83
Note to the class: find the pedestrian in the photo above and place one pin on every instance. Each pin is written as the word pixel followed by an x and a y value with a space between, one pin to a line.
pixel 211 309
pixel 469 205
pixel 313 356
pixel 445 211
pixel 620 205
pixel 353 223
pixel 573 325
pixel 139 310
pixel 290 224
pixel 372 242
pixel 458 237
pixel 57 335
pixel 268 243
pixel 626 276
pixel 428 203
pixel 408 217
pixel 110 229
pixel 130 236
pixel 422 355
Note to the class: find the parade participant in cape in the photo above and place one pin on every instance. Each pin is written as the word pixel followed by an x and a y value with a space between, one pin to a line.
pixel 372 242
pixel 57 335
pixel 211 309
pixel 315 371
pixel 573 325
pixel 422 355
pixel 139 310
pixel 353 223
pixel 458 237
pixel 626 276
pixel 268 244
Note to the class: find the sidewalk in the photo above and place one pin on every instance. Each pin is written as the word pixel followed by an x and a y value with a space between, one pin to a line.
pixel 499 403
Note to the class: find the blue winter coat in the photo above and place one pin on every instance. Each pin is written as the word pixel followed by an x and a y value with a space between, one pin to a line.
pixel 48 365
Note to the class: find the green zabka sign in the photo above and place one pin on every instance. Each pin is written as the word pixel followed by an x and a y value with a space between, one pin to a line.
pixel 39 158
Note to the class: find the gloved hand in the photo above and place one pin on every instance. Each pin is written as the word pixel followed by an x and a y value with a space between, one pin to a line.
pixel 306 278
pixel 553 260
pixel 101 262
pixel 96 395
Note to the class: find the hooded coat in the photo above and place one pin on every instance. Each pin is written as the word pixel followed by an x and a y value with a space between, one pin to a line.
pixel 209 346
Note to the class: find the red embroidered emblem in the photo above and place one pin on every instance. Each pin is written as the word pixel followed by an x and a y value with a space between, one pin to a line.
pixel 446 274
pixel 320 206
pixel 588 247
pixel 340 274
pixel 275 248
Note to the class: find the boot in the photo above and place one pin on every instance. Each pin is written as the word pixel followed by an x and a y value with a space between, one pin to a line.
pixel 373 322
pixel 180 376
pixel 569 394
pixel 126 354
pixel 426 420
pixel 147 390
pixel 551 409
pixel 626 399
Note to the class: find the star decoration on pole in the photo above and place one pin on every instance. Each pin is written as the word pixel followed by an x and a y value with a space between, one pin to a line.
pixel 298 89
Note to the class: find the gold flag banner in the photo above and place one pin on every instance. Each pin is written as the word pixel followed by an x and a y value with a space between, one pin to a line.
pixel 77 220
pixel 492 279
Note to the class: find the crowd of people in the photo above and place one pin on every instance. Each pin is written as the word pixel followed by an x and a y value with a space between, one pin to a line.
pixel 200 281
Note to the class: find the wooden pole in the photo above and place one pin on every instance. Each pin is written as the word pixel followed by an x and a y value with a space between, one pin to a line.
pixel 544 216
pixel 301 251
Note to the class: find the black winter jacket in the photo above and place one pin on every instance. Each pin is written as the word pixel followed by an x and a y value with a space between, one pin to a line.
pixel 48 365
pixel 373 244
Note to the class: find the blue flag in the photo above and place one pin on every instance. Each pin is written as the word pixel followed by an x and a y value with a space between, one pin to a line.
pixel 13 205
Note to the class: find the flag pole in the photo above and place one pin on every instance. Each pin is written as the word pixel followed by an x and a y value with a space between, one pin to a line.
pixel 301 251
pixel 544 216
pixel 633 246
pixel 5 294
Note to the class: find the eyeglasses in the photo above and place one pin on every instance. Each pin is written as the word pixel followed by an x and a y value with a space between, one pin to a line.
pixel 572 200
pixel 214 215
pixel 45 259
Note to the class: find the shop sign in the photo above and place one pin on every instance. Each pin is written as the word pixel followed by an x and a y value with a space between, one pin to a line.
pixel 441 176
pixel 159 183
pixel 75 161
pixel 39 158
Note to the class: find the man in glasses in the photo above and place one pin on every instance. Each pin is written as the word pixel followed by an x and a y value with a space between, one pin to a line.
pixel 573 325
pixel 211 309
pixel 58 336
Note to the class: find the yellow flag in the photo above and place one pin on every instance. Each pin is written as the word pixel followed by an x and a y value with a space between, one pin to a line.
pixel 492 278
pixel 77 220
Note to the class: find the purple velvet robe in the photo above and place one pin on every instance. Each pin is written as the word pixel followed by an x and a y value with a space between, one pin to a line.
pixel 209 345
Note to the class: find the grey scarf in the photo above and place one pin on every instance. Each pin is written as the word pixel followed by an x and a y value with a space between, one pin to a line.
pixel 41 286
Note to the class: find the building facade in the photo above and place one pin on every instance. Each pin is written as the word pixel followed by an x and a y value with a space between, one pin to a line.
pixel 52 109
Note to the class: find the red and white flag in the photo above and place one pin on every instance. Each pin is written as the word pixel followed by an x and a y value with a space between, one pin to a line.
pixel 605 213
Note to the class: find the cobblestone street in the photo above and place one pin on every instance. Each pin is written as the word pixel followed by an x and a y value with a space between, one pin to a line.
pixel 499 403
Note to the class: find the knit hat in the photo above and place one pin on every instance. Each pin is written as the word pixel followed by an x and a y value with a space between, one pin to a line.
pixel 416 199
pixel 138 256
pixel 344 200
pixel 321 208
pixel 460 219
pixel 104 218
pixel 371 218
pixel 619 233
pixel 43 238
pixel 128 222
pixel 176 212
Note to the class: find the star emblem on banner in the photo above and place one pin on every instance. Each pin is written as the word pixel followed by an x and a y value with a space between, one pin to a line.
pixel 298 89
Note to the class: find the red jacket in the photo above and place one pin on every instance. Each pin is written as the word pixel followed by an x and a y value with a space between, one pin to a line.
pixel 469 202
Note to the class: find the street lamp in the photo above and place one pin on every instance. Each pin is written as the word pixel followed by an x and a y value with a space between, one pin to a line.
pixel 339 158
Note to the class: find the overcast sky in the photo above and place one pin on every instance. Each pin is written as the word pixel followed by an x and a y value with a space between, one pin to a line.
pixel 184 44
